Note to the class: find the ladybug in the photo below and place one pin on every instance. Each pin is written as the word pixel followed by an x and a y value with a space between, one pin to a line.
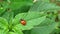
pixel 23 22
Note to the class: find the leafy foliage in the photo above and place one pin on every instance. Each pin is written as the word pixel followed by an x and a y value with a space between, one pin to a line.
pixel 31 20
pixel 40 17
pixel 45 28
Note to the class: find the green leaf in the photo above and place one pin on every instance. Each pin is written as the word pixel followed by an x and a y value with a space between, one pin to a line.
pixel 20 0
pixel 23 9
pixel 3 23
pixel 46 29
pixel 4 31
pixel 3 26
pixel 3 7
pixel 8 15
pixel 31 19
pixel 57 31
pixel 17 31
pixel 16 4
pixel 58 0
pixel 44 6
pixel 16 0
pixel 45 0
pixel 26 32
pixel 12 33
pixel 59 16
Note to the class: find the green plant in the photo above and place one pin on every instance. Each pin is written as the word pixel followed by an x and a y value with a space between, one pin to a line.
pixel 41 17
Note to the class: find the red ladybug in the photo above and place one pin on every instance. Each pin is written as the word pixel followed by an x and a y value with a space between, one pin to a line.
pixel 23 22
